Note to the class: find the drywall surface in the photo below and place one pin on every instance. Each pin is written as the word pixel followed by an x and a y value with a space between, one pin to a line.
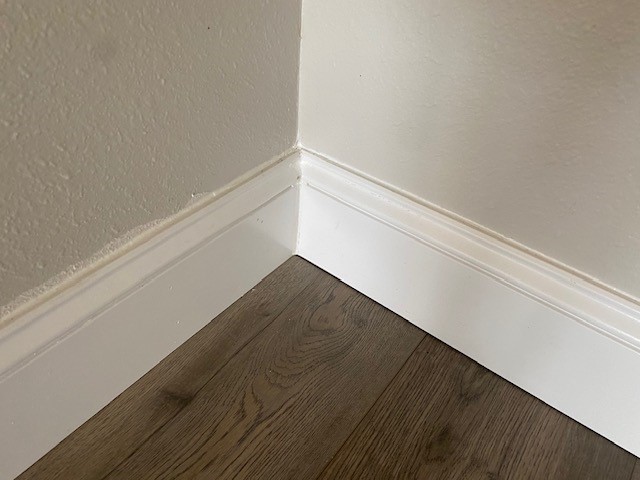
pixel 520 116
pixel 114 114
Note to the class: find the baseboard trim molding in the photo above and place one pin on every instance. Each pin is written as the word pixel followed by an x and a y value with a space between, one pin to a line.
pixel 64 361
pixel 572 344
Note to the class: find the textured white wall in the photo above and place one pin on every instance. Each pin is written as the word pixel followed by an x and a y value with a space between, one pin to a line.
pixel 112 114
pixel 522 116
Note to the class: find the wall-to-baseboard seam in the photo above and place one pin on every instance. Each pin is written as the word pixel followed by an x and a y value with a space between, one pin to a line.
pixel 564 340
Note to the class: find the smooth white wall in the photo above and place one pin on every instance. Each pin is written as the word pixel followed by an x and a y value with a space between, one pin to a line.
pixel 113 114
pixel 522 116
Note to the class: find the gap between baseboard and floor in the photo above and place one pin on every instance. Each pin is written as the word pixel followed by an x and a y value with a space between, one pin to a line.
pixel 572 344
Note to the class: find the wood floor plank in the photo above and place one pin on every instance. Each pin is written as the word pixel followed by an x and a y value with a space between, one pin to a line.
pixel 109 437
pixel 553 446
pixel 278 387
pixel 446 417
pixel 285 403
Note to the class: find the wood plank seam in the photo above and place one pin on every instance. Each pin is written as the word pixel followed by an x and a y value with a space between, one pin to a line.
pixel 152 401
pixel 244 345
pixel 364 415
pixel 258 405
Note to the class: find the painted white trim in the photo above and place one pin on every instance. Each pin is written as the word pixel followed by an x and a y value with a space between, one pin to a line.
pixel 65 360
pixel 568 342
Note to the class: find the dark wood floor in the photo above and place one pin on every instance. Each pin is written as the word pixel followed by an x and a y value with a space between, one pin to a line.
pixel 305 378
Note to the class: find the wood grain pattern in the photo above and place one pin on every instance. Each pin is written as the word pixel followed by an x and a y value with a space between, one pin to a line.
pixel 98 446
pixel 446 417
pixel 285 403
pixel 306 378
pixel 551 445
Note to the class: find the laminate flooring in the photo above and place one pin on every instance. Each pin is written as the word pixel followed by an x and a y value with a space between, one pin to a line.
pixel 306 378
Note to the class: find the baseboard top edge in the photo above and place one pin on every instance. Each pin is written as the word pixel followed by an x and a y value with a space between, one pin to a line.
pixel 600 308
pixel 123 274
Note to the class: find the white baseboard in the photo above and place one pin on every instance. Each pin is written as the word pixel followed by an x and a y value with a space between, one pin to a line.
pixel 63 362
pixel 571 344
